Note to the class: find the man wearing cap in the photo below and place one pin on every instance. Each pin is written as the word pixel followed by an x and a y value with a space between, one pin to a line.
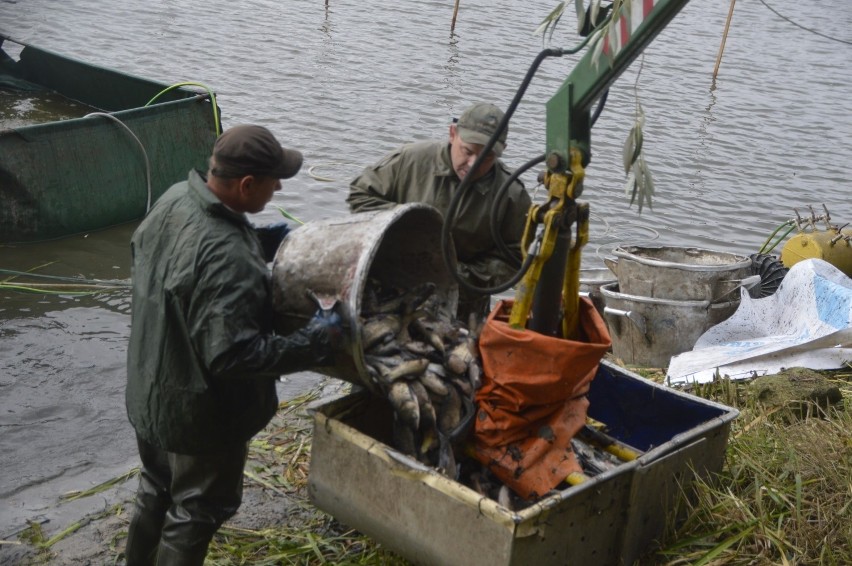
pixel 431 172
pixel 203 360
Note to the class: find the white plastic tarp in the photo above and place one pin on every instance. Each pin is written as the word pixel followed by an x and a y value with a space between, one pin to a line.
pixel 806 323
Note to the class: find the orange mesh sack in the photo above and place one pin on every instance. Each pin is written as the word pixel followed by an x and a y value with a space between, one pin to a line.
pixel 532 400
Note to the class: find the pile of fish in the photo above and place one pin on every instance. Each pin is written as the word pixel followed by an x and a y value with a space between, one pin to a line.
pixel 426 364
pixel 591 448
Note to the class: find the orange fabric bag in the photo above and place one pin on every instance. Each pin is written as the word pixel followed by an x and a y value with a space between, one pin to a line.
pixel 532 400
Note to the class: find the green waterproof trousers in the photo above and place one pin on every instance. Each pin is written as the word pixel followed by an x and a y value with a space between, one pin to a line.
pixel 181 502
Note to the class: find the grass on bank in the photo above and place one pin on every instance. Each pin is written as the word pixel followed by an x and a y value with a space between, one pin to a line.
pixel 785 493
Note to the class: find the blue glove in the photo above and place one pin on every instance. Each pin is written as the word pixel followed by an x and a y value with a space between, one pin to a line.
pixel 270 237
pixel 325 332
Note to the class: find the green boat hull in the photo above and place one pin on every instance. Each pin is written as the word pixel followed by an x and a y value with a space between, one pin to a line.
pixel 77 175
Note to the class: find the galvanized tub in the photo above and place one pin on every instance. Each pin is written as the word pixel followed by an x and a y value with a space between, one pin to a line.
pixel 681 274
pixel 611 519
pixel 648 331
pixel 334 259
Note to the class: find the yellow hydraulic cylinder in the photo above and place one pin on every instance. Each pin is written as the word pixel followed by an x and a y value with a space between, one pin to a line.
pixel 833 246
pixel 562 190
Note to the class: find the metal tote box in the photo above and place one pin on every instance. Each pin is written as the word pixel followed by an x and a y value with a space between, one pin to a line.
pixel 429 519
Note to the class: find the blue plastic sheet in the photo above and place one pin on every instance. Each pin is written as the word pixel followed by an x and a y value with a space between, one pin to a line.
pixel 806 323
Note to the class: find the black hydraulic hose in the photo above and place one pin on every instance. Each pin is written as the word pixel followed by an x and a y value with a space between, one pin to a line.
pixel 599 108
pixel 495 205
pixel 465 183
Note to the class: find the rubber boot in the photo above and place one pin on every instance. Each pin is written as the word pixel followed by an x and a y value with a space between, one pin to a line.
pixel 152 503
pixel 143 535
pixel 186 536
pixel 168 555
pixel 206 490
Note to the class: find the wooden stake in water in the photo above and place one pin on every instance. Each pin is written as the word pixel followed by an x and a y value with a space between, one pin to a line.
pixel 724 37
pixel 455 13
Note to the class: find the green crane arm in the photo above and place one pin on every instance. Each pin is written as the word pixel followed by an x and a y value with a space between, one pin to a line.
pixel 568 111
pixel 547 298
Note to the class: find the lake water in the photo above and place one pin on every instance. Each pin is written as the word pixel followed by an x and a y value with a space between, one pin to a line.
pixel 347 81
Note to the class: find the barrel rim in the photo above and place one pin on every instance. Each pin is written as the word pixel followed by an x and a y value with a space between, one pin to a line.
pixel 740 263
pixel 609 292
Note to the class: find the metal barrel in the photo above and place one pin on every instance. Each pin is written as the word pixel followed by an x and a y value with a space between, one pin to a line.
pixel 679 273
pixel 648 331
pixel 334 259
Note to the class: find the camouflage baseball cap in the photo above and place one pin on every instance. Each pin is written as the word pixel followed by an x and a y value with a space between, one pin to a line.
pixel 479 122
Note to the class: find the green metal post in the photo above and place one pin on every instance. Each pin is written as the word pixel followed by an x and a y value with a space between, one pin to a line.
pixel 590 79
pixel 569 124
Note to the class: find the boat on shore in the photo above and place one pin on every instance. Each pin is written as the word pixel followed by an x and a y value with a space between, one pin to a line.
pixel 84 148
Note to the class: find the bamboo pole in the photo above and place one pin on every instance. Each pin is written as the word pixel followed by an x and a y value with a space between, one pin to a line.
pixel 455 13
pixel 724 38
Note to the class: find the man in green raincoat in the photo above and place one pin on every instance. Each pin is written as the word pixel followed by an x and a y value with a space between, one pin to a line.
pixel 203 360
pixel 431 172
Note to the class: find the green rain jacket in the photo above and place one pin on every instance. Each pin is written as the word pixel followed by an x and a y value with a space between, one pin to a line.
pixel 202 360
pixel 423 172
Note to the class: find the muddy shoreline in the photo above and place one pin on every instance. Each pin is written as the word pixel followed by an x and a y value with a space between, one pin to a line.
pixel 94 528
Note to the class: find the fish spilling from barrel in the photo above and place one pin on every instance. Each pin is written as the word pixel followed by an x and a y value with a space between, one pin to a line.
pixel 426 364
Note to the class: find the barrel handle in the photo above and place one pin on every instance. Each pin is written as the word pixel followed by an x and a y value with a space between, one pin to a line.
pixel 746 283
pixel 636 318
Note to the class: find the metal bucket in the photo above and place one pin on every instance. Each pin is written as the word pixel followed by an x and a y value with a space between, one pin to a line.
pixel 334 259
pixel 681 274
pixel 648 331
